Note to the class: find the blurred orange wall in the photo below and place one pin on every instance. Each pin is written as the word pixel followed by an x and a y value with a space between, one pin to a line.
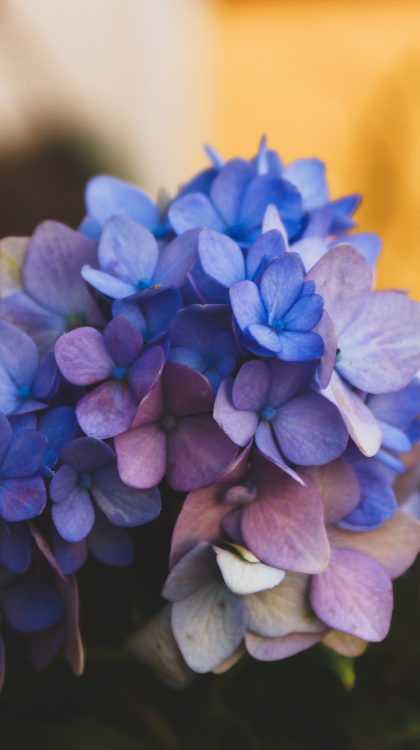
pixel 339 79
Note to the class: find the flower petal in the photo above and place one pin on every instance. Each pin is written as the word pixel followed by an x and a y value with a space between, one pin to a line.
pixel 31 604
pixel 381 348
pixel 83 357
pixel 283 609
pixel 344 280
pixel 239 425
pixel 265 442
pixel 359 420
pixel 221 257
pixel 185 391
pixel 194 210
pixel 74 516
pixel 124 505
pixel 24 455
pixel 107 196
pixel 250 387
pixel 338 487
pixel 270 245
pixel 395 545
pixel 310 430
pixel 177 259
pixel 141 454
pixel 244 577
pixel 281 284
pixel 198 452
pixel 272 649
pixel 51 271
pixel 246 304
pixel 354 595
pixel 228 189
pixel 208 626
pixel 284 525
pixel 108 410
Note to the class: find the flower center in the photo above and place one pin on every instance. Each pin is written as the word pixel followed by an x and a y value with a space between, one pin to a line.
pixel 85 481
pixel 277 324
pixel 144 284
pixel 211 362
pixel 119 373
pixel 268 413
pixel 24 392
pixel 167 422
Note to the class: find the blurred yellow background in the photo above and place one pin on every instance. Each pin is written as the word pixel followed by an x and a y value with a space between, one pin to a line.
pixel 150 80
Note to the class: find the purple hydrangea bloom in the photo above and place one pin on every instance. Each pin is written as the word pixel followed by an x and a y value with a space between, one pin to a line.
pixel 55 297
pixel 116 360
pixel 22 490
pixel 266 400
pixel 108 196
pixel 24 380
pixel 130 260
pixel 200 341
pixel 277 317
pixel 237 202
pixel 89 473
pixel 173 432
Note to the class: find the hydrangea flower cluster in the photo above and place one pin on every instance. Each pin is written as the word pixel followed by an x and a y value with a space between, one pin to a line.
pixel 229 346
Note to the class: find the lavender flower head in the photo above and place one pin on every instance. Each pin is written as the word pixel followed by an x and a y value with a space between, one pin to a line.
pixel 229 346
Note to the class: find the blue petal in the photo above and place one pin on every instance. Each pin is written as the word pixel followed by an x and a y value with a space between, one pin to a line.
pixel 281 284
pixel 300 347
pixel 111 545
pixel 70 557
pixel 15 547
pixel 22 499
pixel 128 251
pixel 47 378
pixel 266 337
pixel 124 505
pixel 9 399
pixel 246 304
pixel 266 189
pixel 23 422
pixel 108 284
pixel 160 309
pixel 228 189
pixel 6 435
pixel 24 455
pixel 390 460
pixel 74 517
pixel 394 438
pixel 91 228
pixel 201 183
pixel 214 156
pixel 208 290
pixel 310 249
pixel 305 314
pixel 377 500
pixel 106 196
pixel 221 258
pixel 193 329
pixel 130 308
pixel 18 354
pixel 59 426
pixel 194 210
pixel 398 408
pixel 177 259
pixel 267 247
pixel 308 175
pixel 31 604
